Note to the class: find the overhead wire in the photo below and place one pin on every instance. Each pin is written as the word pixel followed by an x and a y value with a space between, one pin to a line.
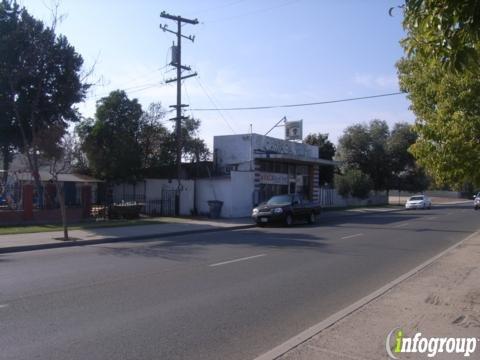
pixel 265 107
pixel 252 12
pixel 214 104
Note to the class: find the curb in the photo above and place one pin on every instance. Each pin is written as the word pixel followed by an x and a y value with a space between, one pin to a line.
pixel 71 243
pixel 309 333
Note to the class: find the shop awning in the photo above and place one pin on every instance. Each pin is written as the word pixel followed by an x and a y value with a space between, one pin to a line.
pixel 296 159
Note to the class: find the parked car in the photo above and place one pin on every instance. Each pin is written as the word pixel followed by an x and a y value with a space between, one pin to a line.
pixel 476 201
pixel 418 202
pixel 285 209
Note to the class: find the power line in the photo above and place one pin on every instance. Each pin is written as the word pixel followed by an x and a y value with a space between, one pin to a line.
pixel 254 12
pixel 299 105
pixel 214 104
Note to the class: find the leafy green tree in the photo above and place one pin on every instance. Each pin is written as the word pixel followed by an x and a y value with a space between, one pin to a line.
pixel 364 147
pixel 443 32
pixel 41 77
pixel 405 172
pixel 354 183
pixel 111 141
pixel 326 150
pixel 154 138
pixel 440 73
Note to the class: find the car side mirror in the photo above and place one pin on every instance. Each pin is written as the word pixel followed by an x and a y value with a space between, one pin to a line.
pixel 474 196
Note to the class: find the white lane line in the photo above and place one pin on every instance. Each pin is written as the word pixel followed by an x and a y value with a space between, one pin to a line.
pixel 3 306
pixel 400 225
pixel 236 260
pixel 351 236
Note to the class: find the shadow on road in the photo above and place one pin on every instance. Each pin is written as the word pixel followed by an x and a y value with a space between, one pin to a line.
pixel 182 248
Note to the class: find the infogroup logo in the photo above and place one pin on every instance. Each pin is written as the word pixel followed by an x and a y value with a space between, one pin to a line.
pixel 397 343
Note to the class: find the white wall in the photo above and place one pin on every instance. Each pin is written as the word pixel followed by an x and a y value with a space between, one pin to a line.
pixel 242 193
pixel 152 190
pixel 218 188
pixel 330 198
pixel 235 191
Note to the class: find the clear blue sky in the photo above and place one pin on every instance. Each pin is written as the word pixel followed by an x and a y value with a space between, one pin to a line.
pixel 247 53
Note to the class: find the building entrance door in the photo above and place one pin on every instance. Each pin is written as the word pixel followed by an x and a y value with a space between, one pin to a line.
pixel 291 188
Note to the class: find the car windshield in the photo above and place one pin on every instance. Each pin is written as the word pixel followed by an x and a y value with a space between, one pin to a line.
pixel 280 199
pixel 415 198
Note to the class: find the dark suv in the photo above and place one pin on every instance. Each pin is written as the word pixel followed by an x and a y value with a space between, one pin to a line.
pixel 285 209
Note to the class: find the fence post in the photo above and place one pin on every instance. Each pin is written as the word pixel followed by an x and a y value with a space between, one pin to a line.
pixel 27 202
pixel 86 201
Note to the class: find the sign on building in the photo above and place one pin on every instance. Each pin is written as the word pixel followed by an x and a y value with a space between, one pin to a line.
pixel 293 130
pixel 273 178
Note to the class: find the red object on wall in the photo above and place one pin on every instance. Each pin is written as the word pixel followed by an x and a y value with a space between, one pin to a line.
pixel 27 202
pixel 87 200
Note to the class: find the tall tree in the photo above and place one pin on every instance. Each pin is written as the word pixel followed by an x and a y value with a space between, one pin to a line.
pixel 440 72
pixel 42 73
pixel 443 32
pixel 111 141
pixel 406 174
pixel 364 147
pixel 326 150
pixel 154 137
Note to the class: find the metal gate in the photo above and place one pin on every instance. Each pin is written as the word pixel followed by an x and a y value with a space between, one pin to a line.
pixel 169 203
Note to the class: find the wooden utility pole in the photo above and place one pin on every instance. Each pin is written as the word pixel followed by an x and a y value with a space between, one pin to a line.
pixel 177 62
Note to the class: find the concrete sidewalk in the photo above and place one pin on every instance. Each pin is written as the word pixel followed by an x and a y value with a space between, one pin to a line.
pixel 170 227
pixel 442 300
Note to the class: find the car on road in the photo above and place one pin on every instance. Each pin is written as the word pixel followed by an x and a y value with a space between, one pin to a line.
pixel 285 209
pixel 418 202
pixel 476 201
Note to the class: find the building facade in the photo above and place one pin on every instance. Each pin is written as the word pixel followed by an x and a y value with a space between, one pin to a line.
pixel 277 166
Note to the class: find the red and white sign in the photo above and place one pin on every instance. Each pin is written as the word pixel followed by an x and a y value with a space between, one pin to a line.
pixel 273 178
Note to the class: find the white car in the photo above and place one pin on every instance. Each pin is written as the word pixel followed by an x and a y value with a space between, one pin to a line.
pixel 418 202
pixel 476 201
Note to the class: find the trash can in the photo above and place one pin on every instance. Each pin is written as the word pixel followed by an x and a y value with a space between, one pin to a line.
pixel 215 208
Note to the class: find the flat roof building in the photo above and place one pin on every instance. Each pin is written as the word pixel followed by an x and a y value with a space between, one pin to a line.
pixel 259 167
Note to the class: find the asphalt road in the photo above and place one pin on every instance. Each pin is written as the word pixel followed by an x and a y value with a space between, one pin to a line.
pixel 224 295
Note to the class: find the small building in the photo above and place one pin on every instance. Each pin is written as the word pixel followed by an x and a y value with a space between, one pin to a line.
pixel 250 168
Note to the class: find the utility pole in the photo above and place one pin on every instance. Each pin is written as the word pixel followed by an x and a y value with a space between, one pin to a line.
pixel 177 62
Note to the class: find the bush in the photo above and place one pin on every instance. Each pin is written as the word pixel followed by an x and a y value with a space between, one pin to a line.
pixel 354 183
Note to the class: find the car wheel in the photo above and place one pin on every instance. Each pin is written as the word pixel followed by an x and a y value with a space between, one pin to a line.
pixel 312 218
pixel 288 220
pixel 476 207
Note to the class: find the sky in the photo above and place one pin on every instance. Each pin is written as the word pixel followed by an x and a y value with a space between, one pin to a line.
pixel 246 53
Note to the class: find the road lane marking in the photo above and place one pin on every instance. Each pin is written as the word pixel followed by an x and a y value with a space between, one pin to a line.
pixel 309 333
pixel 237 260
pixel 400 225
pixel 351 236
pixel 3 306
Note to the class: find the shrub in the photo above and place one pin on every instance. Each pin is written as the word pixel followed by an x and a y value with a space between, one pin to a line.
pixel 354 183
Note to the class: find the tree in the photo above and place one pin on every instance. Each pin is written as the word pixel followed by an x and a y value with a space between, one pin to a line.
pixel 405 172
pixel 326 150
pixel 353 183
pixel 364 147
pixel 40 74
pixel 443 32
pixel 111 141
pixel 61 159
pixel 154 137
pixel 441 75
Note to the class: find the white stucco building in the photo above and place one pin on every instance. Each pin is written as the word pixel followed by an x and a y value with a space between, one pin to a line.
pixel 251 168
